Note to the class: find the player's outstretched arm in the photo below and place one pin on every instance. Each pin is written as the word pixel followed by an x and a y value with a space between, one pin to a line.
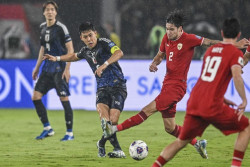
pixel 156 61
pixel 241 44
pixel 66 58
pixel 239 85
pixel 208 42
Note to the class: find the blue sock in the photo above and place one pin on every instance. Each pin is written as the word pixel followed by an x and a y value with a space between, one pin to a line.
pixel 46 124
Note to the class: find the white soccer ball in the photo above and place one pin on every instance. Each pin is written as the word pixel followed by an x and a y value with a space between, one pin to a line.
pixel 138 150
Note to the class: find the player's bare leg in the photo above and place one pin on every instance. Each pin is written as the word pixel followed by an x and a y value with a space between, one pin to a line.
pixel 102 109
pixel 173 129
pixel 110 117
pixel 117 152
pixel 240 147
pixel 170 151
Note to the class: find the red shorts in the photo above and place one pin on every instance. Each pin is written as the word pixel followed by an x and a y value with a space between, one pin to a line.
pixel 227 122
pixel 170 95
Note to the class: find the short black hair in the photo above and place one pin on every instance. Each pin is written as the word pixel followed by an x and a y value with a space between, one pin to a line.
pixel 176 17
pixel 86 26
pixel 52 3
pixel 231 27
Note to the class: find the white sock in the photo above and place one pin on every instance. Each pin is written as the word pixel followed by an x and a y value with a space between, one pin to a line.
pixel 69 133
pixel 47 128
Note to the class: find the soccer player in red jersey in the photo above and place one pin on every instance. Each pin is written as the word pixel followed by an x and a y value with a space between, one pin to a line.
pixel 206 104
pixel 178 47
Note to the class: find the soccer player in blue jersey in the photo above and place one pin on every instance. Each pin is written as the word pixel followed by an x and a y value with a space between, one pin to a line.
pixel 55 40
pixel 102 55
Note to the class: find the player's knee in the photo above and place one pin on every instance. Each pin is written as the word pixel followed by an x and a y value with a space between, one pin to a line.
pixel 64 98
pixel 34 97
pixel 148 111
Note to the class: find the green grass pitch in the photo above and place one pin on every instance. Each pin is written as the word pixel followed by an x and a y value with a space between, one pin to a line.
pixel 19 148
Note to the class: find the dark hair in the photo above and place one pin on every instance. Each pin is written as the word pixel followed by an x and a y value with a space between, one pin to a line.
pixel 86 26
pixel 176 17
pixel 50 2
pixel 231 27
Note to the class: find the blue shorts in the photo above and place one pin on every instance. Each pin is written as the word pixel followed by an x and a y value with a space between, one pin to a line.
pixel 114 97
pixel 48 81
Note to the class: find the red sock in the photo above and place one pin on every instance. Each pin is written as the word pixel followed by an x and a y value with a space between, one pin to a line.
pixel 177 132
pixel 132 121
pixel 159 162
pixel 237 158
pixel 193 141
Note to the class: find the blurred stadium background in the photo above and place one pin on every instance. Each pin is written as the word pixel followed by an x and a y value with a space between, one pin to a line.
pixel 133 22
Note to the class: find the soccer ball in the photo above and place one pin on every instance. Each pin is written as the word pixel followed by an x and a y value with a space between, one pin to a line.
pixel 138 150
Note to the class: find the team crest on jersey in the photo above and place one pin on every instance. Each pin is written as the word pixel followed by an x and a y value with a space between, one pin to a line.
pixel 111 44
pixel 179 46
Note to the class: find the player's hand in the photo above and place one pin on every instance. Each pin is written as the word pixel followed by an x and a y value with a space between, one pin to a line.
pixel 241 109
pixel 49 57
pixel 66 75
pixel 35 74
pixel 153 67
pixel 242 44
pixel 100 69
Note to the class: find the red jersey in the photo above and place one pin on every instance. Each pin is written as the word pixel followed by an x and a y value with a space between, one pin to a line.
pixel 207 96
pixel 179 54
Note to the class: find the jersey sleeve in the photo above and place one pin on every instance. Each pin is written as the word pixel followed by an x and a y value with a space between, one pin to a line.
pixel 67 37
pixel 65 31
pixel 41 40
pixel 195 40
pixel 81 54
pixel 163 41
pixel 237 59
pixel 109 45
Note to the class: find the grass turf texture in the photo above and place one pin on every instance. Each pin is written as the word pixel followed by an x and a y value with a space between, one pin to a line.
pixel 18 146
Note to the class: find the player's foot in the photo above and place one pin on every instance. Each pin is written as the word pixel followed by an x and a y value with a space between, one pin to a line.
pixel 107 128
pixel 117 154
pixel 45 133
pixel 200 146
pixel 67 137
pixel 101 150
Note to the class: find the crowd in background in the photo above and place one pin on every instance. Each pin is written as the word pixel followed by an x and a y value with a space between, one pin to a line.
pixel 203 18
pixel 137 21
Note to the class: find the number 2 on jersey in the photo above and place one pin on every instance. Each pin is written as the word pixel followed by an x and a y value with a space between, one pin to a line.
pixel 171 54
pixel 211 67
